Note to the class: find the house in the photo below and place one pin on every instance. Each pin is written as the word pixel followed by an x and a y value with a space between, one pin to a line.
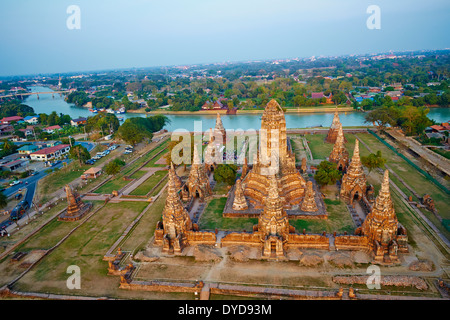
pixel 14 165
pixel 437 128
pixel 375 89
pixel 8 120
pixel 46 144
pixel 28 131
pixel 394 93
pixel 78 121
pixel 92 173
pixel 16 138
pixel 50 153
pixel 320 95
pixel 6 129
pixel 435 135
pixel 27 149
pixel 31 119
pixel 52 129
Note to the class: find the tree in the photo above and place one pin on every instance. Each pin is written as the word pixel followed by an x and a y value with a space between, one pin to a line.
pixel 133 130
pixel 382 117
pixel 327 173
pixel 112 168
pixel 373 161
pixel 15 108
pixel 339 97
pixel 79 153
pixel 226 173
pixel 130 133
pixel 104 122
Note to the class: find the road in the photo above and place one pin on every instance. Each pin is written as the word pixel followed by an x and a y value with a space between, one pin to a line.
pixel 30 182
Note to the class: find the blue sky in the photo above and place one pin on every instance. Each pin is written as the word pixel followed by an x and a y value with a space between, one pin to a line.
pixel 145 33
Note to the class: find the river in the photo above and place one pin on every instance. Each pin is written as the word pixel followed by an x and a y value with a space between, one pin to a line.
pixel 46 104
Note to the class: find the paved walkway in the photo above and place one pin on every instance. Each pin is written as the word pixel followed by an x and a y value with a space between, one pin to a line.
pixel 150 171
pixel 433 158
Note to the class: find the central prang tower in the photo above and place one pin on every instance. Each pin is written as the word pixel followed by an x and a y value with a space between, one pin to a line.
pixel 274 145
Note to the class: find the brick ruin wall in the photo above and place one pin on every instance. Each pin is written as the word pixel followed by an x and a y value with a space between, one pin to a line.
pixel 313 241
pixel 350 242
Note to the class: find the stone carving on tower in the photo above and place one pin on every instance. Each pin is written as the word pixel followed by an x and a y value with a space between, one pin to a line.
pixel 212 154
pixel 354 182
pixel 175 221
pixel 219 130
pixel 197 185
pixel 273 223
pixel 175 178
pixel 239 202
pixel 339 154
pixel 273 125
pixel 309 202
pixel 386 235
pixel 334 128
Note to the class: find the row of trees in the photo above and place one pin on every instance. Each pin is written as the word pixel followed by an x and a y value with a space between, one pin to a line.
pixel 134 130
pixel 412 120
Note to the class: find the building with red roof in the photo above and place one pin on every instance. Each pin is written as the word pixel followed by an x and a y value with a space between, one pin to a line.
pixel 52 129
pixel 50 153
pixel 8 120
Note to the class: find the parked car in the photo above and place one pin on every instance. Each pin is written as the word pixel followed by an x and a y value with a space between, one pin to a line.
pixel 18 196
pixel 128 151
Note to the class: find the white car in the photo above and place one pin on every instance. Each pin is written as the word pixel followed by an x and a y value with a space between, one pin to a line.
pixel 128 151
pixel 16 182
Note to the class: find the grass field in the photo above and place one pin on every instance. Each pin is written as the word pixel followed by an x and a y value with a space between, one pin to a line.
pixel 84 248
pixel 145 229
pixel 339 218
pixel 57 180
pixel 148 184
pixel 414 179
pixel 111 185
pixel 138 174
pixel 212 218
pixel 321 149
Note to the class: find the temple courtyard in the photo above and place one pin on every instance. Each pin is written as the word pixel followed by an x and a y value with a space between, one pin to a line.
pixel 163 232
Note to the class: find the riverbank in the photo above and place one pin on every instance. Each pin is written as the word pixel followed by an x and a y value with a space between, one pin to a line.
pixel 326 109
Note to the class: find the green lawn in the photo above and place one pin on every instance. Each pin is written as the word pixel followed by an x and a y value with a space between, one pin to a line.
pixel 84 248
pixel 111 185
pixel 145 229
pixel 339 218
pixel 414 179
pixel 148 184
pixel 138 174
pixel 212 218
pixel 152 162
pixel 443 153
pixel 321 149
pixel 158 189
pixel 154 152
pixel 58 179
